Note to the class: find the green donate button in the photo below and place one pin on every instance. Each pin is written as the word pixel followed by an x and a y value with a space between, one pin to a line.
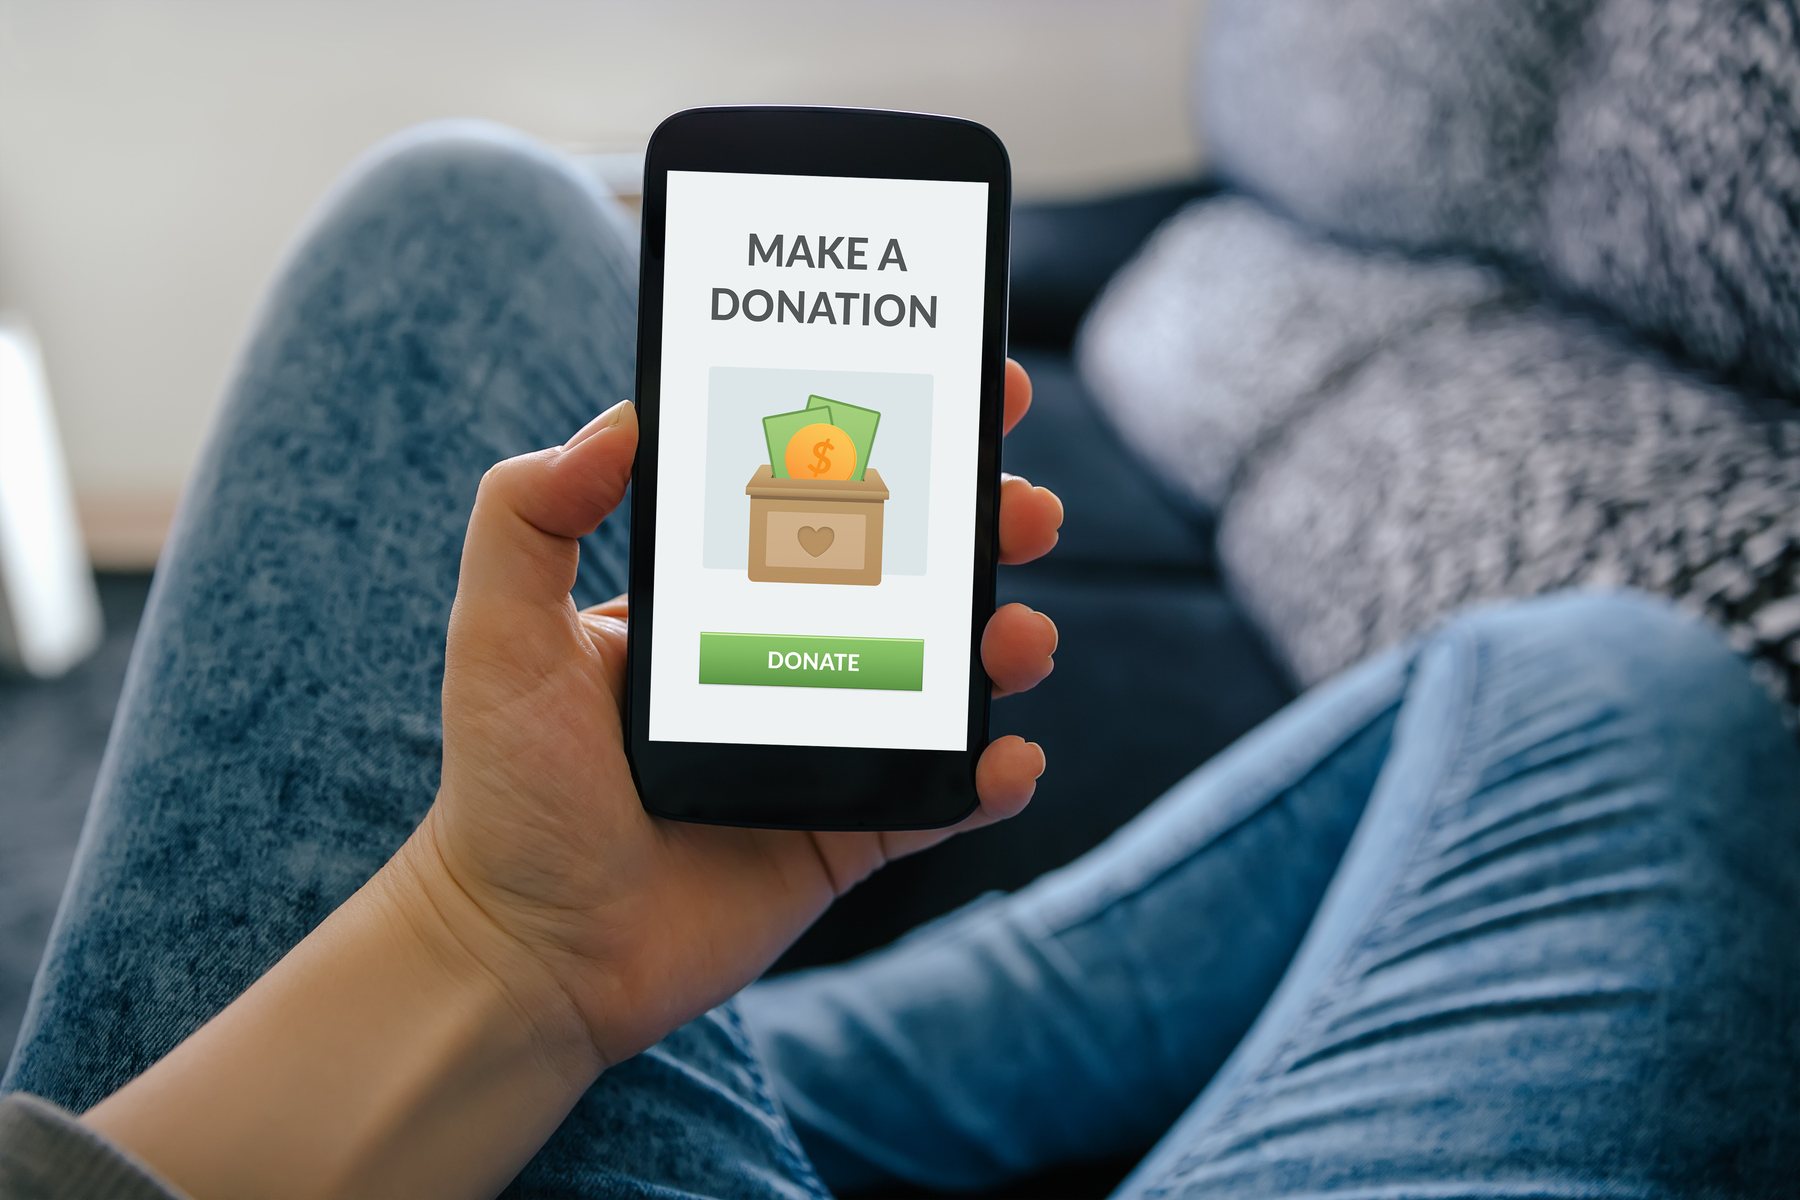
pixel 782 660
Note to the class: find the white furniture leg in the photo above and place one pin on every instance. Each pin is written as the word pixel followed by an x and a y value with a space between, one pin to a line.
pixel 49 610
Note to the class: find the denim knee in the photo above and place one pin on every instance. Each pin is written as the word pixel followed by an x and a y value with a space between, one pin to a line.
pixel 431 279
pixel 1626 652
pixel 1667 762
pixel 460 204
pixel 503 169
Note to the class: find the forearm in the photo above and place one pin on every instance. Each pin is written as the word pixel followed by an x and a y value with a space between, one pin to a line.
pixel 403 1048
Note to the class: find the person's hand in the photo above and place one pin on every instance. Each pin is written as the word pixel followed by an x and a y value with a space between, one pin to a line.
pixel 429 1036
pixel 539 857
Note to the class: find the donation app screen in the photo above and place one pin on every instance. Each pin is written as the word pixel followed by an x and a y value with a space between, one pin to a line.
pixel 816 463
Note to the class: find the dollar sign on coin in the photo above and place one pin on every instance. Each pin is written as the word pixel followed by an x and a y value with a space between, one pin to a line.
pixel 820 451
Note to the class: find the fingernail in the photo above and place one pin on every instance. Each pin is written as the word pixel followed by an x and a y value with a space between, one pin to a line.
pixel 1055 637
pixel 1042 761
pixel 605 420
pixel 1057 499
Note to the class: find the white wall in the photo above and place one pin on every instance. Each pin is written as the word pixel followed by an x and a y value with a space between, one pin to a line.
pixel 156 157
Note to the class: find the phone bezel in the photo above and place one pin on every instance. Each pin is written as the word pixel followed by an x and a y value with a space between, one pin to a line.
pixel 805 787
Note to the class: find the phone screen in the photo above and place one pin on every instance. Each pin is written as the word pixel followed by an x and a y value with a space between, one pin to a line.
pixel 817 460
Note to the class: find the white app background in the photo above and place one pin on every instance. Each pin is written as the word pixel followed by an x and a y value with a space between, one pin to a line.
pixel 941 227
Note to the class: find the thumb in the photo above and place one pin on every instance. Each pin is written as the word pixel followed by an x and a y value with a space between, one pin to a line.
pixel 521 548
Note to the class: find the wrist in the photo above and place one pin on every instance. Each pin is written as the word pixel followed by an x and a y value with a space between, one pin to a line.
pixel 473 952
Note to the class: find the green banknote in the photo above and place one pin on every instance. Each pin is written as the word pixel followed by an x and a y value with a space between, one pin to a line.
pixel 860 423
pixel 783 426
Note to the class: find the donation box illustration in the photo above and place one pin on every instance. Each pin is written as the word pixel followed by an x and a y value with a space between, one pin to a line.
pixel 815 530
pixel 816 507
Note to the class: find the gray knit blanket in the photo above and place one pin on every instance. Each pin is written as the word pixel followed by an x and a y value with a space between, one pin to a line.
pixel 1511 302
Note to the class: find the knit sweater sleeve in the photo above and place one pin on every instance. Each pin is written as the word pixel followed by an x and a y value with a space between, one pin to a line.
pixel 46 1154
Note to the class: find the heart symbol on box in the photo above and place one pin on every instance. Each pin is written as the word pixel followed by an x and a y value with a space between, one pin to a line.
pixel 816 541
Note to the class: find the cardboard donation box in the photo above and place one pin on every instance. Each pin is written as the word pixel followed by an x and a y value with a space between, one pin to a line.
pixel 815 530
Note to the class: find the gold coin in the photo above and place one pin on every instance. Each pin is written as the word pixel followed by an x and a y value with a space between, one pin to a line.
pixel 820 451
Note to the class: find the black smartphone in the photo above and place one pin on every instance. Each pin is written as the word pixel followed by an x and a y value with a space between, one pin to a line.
pixel 821 353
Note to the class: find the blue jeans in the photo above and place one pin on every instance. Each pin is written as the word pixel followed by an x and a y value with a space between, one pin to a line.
pixel 1508 912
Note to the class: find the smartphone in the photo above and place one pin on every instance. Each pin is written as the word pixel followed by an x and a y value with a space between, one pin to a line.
pixel 821 342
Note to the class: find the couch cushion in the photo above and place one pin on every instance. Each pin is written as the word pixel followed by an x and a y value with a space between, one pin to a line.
pixel 1642 155
pixel 1511 453
pixel 1674 184
pixel 1423 125
pixel 1231 325
pixel 1404 438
